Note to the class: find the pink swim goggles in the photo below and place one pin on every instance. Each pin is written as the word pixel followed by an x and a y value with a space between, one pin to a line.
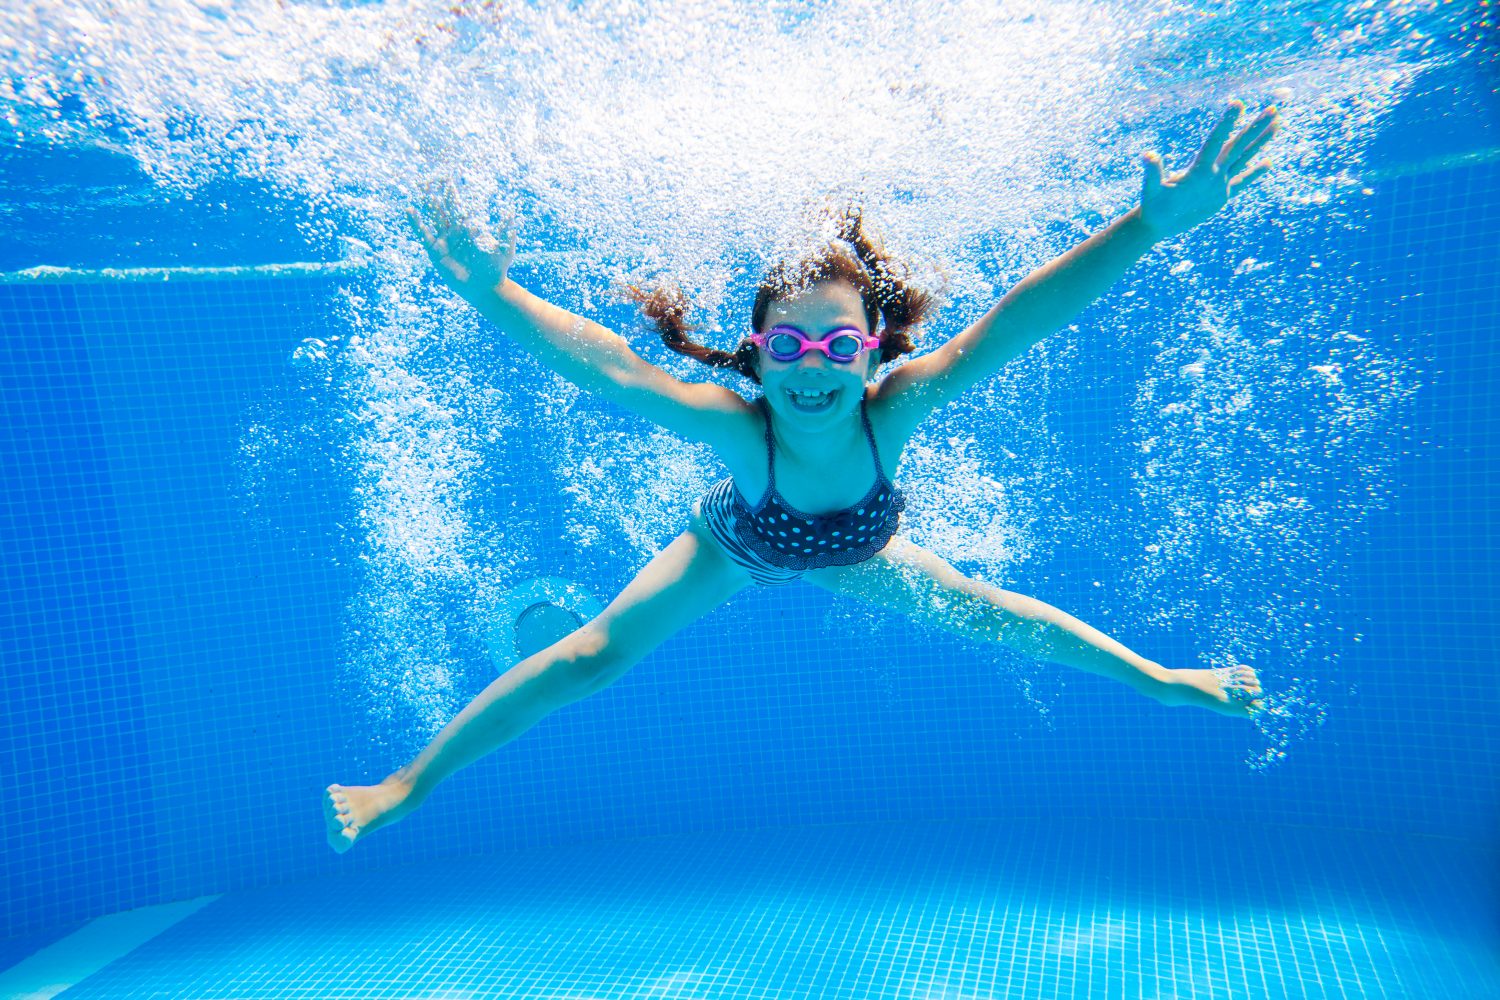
pixel 787 343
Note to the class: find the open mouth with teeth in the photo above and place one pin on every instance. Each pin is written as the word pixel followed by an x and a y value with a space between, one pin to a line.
pixel 810 400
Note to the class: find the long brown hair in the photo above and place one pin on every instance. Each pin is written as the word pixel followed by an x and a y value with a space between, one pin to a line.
pixel 884 287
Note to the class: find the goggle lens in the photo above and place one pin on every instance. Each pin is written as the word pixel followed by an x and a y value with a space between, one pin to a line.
pixel 784 346
pixel 845 346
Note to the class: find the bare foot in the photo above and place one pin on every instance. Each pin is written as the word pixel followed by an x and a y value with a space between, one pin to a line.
pixel 353 811
pixel 1232 691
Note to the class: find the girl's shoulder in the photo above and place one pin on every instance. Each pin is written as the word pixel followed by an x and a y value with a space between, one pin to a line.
pixel 891 422
pixel 889 425
pixel 743 432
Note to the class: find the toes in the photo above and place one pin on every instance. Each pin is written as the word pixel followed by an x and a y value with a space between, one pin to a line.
pixel 342 830
pixel 341 843
pixel 1245 679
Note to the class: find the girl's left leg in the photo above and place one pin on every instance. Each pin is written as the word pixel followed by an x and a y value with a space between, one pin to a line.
pixel 907 578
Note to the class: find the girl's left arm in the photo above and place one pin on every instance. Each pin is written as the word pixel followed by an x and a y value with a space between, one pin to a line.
pixel 1057 291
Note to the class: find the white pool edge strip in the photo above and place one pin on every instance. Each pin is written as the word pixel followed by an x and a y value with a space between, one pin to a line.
pixel 44 274
pixel 47 274
pixel 66 963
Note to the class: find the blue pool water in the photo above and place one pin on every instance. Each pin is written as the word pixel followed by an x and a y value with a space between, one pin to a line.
pixel 258 522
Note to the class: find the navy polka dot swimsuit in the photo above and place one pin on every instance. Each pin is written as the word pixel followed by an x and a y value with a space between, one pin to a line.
pixel 777 542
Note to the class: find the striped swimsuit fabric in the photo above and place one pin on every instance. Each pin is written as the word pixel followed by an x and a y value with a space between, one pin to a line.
pixel 717 508
pixel 777 543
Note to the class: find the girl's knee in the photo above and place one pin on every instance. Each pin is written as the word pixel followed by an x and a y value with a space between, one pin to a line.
pixel 590 659
pixel 587 643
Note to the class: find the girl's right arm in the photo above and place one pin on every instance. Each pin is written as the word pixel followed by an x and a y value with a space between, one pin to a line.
pixel 588 355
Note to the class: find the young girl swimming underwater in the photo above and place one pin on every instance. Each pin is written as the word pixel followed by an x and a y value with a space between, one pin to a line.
pixel 809 494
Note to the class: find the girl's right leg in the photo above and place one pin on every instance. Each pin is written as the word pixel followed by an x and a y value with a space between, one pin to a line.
pixel 689 578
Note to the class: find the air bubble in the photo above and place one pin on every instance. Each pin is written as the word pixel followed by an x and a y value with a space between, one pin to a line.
pixel 310 352
pixel 349 109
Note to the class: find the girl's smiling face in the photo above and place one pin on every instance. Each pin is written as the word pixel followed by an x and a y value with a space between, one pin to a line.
pixel 815 391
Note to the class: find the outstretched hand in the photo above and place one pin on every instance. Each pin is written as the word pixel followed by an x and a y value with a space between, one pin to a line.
pixel 1174 204
pixel 454 245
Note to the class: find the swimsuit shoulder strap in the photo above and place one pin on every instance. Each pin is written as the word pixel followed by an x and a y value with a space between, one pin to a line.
pixel 870 436
pixel 765 412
